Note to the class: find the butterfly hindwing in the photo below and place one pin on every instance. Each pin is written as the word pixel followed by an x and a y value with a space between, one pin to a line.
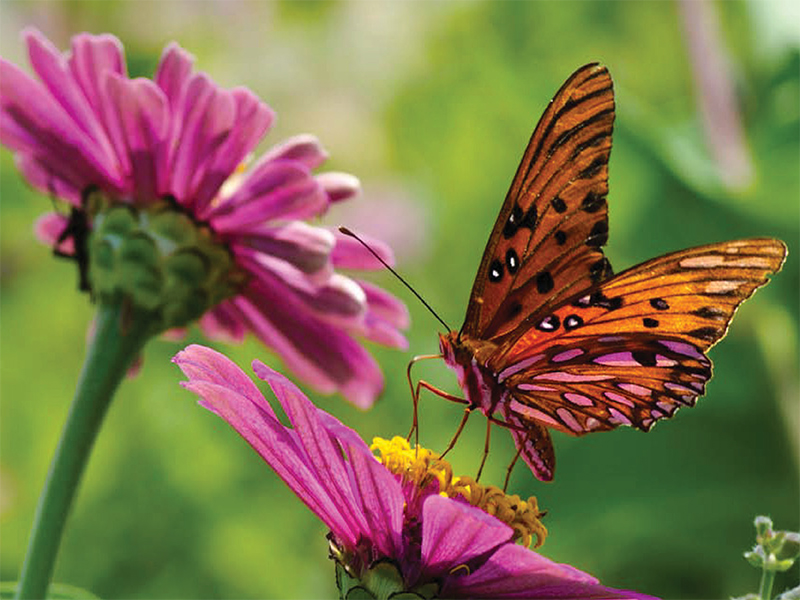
pixel 631 350
pixel 546 241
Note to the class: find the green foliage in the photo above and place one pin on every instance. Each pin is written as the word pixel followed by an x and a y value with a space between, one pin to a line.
pixel 440 104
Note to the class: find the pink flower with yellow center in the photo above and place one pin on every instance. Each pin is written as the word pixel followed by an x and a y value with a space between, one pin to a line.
pixel 399 522
pixel 176 143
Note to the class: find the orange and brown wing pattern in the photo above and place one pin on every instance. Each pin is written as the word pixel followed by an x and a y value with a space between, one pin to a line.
pixel 632 349
pixel 546 242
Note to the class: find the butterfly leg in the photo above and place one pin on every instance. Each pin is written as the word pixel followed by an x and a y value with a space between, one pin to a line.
pixel 415 392
pixel 467 413
pixel 485 449
pixel 511 468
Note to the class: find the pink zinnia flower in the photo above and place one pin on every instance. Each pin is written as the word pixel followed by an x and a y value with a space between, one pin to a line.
pixel 393 515
pixel 180 138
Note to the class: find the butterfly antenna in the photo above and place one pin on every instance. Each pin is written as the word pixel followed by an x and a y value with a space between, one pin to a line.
pixel 346 231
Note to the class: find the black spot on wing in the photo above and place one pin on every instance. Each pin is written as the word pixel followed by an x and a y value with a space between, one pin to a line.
pixel 558 204
pixel 544 282
pixel 495 271
pixel 598 236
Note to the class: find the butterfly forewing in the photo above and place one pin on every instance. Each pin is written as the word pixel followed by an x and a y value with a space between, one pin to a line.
pixel 546 242
pixel 631 350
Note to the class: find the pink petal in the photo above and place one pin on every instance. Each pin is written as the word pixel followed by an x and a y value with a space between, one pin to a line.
pixel 303 246
pixel 320 354
pixel 385 305
pixel 254 419
pixel 93 59
pixel 323 452
pixel 304 148
pixel 141 111
pixel 94 56
pixel 49 227
pixel 349 253
pixel 385 315
pixel 204 364
pixel 253 118
pixel 339 186
pixel 222 323
pixel 46 180
pixel 207 114
pixel 454 533
pixel 32 122
pixel 173 72
pixel 272 190
pixel 517 572
pixel 335 299
pixel 376 494
pixel 54 72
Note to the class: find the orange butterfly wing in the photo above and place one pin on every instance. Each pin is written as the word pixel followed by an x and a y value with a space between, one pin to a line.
pixel 545 244
pixel 631 350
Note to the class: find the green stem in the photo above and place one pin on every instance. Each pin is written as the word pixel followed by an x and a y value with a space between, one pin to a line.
pixel 767 579
pixel 119 337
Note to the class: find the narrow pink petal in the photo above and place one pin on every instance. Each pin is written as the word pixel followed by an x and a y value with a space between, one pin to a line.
pixel 386 314
pixel 350 254
pixel 47 180
pixel 253 118
pixel 322 355
pixel 304 148
pixel 173 72
pixel 207 114
pixel 339 186
pixel 49 227
pixel 202 363
pixel 54 72
pixel 385 305
pixel 141 110
pixel 323 451
pixel 517 572
pixel 454 533
pixel 380 499
pixel 337 300
pixel 254 419
pixel 93 59
pixel 278 190
pixel 222 323
pixel 32 122
pixel 304 246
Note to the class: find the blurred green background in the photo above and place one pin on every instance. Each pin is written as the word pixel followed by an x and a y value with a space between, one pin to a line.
pixel 431 105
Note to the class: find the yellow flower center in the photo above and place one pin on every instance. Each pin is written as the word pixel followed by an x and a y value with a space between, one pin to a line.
pixel 422 467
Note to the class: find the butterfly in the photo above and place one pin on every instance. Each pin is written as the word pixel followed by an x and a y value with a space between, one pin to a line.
pixel 552 339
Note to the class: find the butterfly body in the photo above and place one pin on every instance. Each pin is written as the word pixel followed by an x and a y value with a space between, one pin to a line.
pixel 552 339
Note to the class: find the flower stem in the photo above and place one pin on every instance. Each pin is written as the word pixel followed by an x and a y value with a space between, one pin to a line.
pixel 119 337
pixel 767 579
